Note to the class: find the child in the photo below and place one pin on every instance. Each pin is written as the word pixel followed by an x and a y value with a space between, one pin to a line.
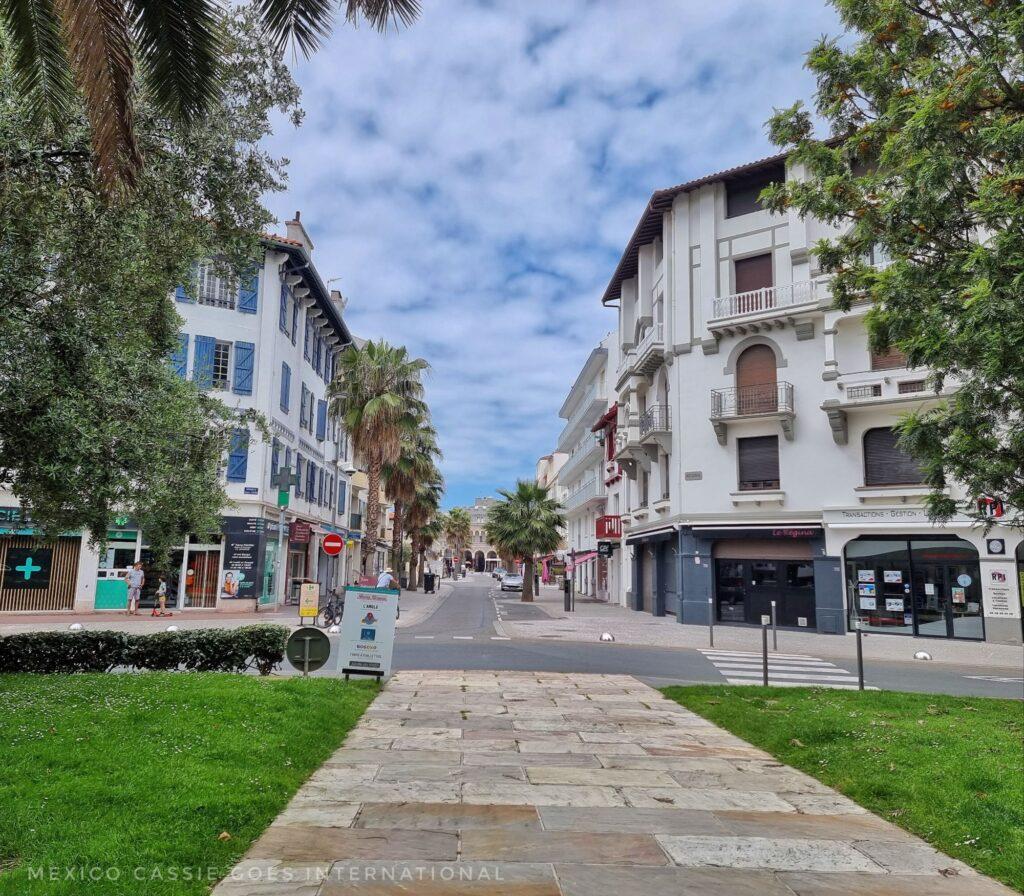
pixel 161 595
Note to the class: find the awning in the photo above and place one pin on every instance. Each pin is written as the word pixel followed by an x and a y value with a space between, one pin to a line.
pixel 607 417
pixel 582 558
pixel 661 534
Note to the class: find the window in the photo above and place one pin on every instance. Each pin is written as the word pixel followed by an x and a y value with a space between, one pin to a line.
pixel 295 320
pixel 275 458
pixel 307 338
pixel 758 459
pixel 645 482
pixel 891 359
pixel 238 455
pixel 742 194
pixel 753 273
pixel 885 463
pixel 665 488
pixel 221 364
pixel 300 470
pixel 215 289
pixel 303 405
pixel 321 420
pixel 286 387
pixel 342 495
pixel 282 315
pixel 311 481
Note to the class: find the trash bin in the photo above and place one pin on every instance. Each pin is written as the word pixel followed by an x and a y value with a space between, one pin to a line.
pixel 428 582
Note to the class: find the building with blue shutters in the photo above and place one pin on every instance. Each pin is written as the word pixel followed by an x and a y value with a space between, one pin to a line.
pixel 265 340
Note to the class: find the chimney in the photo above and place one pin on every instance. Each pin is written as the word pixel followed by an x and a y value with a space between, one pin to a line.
pixel 298 233
pixel 338 299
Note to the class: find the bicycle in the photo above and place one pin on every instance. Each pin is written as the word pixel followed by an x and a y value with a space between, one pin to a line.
pixel 332 611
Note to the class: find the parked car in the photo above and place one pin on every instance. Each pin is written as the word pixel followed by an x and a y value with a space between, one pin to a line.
pixel 512 583
pixel 498 572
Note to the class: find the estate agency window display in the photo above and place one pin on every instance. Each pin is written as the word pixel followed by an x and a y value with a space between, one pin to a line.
pixel 923 586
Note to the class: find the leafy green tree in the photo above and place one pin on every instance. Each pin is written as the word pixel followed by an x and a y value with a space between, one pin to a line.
pixel 93 422
pixel 378 395
pixel 926 164
pixel 525 523
pixel 170 52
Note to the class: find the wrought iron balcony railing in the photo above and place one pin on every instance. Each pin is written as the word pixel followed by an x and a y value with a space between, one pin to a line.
pixel 748 401
pixel 655 419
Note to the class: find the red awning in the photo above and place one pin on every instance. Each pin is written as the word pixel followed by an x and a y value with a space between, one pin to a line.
pixel 607 417
pixel 582 558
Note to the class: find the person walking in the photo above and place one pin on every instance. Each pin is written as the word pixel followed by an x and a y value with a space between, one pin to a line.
pixel 136 579
pixel 386 579
pixel 161 596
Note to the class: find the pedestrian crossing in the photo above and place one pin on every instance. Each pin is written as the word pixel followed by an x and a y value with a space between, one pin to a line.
pixel 784 670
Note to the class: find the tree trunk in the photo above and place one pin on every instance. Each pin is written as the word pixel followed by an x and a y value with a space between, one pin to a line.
pixel 528 580
pixel 421 566
pixel 396 542
pixel 372 522
pixel 414 564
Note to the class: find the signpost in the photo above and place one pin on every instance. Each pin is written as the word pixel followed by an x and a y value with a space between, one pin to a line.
pixel 368 631
pixel 309 602
pixel 308 649
pixel 283 481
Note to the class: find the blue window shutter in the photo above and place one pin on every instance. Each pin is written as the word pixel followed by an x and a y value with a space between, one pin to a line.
pixel 202 366
pixel 275 457
pixel 300 469
pixel 181 292
pixel 342 495
pixel 302 405
pixel 249 292
pixel 179 360
pixel 321 420
pixel 286 386
pixel 282 315
pixel 238 455
pixel 288 458
pixel 295 321
pixel 180 295
pixel 306 336
pixel 244 352
pixel 311 481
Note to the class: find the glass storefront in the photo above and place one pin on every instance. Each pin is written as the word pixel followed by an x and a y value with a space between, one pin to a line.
pixel 746 588
pixel 925 586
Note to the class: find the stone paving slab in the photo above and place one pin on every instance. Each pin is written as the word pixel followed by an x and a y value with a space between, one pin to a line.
pixel 537 784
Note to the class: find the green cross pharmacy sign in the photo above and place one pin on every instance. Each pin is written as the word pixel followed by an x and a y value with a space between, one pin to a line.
pixel 27 567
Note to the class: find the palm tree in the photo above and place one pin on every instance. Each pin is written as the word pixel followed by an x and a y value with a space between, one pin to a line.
pixel 378 396
pixel 424 522
pixel 61 46
pixel 414 465
pixel 526 522
pixel 457 527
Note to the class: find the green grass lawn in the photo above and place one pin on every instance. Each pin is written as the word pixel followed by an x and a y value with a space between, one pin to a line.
pixel 139 775
pixel 949 769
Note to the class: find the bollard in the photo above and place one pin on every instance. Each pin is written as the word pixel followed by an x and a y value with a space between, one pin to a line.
pixel 764 653
pixel 711 622
pixel 775 632
pixel 860 659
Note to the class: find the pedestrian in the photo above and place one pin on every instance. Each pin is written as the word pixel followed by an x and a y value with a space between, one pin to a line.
pixel 136 579
pixel 386 579
pixel 161 596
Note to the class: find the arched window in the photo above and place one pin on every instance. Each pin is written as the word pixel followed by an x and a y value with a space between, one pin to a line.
pixel 885 463
pixel 756 380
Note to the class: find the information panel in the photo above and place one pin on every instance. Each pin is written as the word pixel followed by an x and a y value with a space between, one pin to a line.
pixel 368 630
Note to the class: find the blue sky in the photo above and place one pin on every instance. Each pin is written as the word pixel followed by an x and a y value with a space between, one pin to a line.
pixel 474 179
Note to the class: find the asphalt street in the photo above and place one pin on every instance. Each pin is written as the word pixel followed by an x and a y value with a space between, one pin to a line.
pixel 461 634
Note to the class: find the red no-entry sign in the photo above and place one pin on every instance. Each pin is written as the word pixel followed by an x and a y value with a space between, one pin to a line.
pixel 333 544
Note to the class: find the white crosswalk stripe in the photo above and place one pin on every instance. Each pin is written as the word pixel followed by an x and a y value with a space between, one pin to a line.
pixel 784 669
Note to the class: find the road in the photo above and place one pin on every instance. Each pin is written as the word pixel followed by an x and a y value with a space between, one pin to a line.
pixel 461 634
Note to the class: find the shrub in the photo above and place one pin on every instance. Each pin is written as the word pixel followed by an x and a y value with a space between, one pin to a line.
pixel 204 650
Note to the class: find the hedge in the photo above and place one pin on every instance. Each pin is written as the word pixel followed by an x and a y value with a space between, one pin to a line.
pixel 202 650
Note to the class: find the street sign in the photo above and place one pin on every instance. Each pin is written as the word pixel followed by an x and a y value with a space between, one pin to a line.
pixel 282 497
pixel 309 600
pixel 368 631
pixel 605 548
pixel 299 531
pixel 307 649
pixel 332 544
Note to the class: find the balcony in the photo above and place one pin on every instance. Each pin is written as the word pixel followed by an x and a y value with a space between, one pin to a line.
pixel 592 405
pixel 629 450
pixel 592 491
pixel 655 427
pixel 875 390
pixel 585 452
pixel 355 522
pixel 609 527
pixel 650 353
pixel 768 401
pixel 748 311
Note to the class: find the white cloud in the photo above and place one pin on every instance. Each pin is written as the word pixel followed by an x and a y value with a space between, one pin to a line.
pixel 474 179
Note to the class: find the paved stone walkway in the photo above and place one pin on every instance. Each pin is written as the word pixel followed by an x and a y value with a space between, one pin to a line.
pixel 535 784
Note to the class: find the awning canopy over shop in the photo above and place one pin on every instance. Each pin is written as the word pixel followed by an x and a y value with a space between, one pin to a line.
pixel 653 535
pixel 582 558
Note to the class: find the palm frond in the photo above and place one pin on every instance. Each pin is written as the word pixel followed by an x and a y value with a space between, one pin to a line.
pixel 381 14
pixel 179 46
pixel 100 52
pixel 39 60
pixel 302 22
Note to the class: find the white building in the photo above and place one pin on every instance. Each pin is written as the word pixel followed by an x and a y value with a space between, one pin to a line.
pixel 589 478
pixel 754 427
pixel 266 341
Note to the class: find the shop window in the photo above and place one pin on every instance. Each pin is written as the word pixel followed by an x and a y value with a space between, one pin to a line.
pixel 743 194
pixel 758 459
pixel 885 463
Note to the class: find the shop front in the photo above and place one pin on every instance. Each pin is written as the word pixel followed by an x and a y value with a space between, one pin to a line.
pixel 904 575
pixel 653 566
